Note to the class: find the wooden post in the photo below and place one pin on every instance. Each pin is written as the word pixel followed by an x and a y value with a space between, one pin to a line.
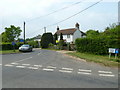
pixel 109 55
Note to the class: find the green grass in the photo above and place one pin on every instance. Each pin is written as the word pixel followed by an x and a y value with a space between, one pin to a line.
pixel 104 60
pixel 8 51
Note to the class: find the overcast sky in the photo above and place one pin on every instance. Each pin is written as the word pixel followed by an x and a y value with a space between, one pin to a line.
pixel 98 17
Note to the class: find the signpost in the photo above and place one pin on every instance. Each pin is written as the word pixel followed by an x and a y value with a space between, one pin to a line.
pixel 113 50
pixel 13 43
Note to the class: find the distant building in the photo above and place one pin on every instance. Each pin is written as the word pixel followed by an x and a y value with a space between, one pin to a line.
pixel 71 34
pixel 37 38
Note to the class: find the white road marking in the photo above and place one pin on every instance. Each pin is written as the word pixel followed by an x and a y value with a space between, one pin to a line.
pixel 26 64
pixel 84 73
pixel 105 72
pixel 23 59
pixel 38 53
pixel 32 67
pixel 108 75
pixel 65 71
pixel 83 70
pixel 20 66
pixel 14 63
pixel 8 65
pixel 0 64
pixel 51 67
pixel 46 69
pixel 38 65
pixel 67 68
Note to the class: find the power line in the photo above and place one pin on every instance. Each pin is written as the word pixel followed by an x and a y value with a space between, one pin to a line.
pixel 55 11
pixel 73 15
pixel 76 13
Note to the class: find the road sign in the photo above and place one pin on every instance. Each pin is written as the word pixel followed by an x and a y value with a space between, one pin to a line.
pixel 112 50
pixel 13 43
pixel 21 40
pixel 117 51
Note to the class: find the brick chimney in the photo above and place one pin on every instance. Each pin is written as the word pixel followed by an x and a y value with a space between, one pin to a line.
pixel 77 26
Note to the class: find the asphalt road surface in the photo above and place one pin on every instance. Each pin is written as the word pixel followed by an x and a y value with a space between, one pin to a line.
pixel 51 69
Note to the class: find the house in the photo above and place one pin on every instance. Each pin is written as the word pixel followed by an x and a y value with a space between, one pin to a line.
pixel 37 38
pixel 71 34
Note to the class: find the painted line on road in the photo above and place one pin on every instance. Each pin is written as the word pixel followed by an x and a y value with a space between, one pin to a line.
pixel 105 72
pixel 8 65
pixel 14 63
pixel 47 69
pixel 23 59
pixel 84 73
pixel 33 68
pixel 0 64
pixel 83 70
pixel 67 68
pixel 51 67
pixel 26 64
pixel 108 75
pixel 38 54
pixel 37 65
pixel 65 71
pixel 20 66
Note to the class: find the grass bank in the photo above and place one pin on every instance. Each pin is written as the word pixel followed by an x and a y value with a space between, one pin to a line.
pixel 104 60
pixel 8 51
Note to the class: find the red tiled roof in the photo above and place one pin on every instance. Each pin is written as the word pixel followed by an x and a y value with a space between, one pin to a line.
pixel 66 31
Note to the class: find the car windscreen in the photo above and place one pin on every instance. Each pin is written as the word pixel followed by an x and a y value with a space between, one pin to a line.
pixel 25 46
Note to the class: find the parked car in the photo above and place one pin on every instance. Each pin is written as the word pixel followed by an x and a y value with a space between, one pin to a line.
pixel 25 47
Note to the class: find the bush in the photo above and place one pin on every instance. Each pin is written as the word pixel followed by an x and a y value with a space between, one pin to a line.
pixel 46 39
pixel 96 45
pixel 34 44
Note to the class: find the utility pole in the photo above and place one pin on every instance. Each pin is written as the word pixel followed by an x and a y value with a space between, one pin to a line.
pixel 24 32
pixel 44 29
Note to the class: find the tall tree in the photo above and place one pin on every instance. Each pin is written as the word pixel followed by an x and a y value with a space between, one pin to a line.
pixel 55 36
pixel 12 33
pixel 61 36
pixel 46 39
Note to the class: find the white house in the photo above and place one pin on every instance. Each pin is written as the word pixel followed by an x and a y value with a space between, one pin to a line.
pixel 71 34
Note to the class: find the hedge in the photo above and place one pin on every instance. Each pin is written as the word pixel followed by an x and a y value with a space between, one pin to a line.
pixel 9 46
pixel 96 45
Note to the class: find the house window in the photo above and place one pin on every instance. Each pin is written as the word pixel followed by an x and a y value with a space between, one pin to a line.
pixel 68 36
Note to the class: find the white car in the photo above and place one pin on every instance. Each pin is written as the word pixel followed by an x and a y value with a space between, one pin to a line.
pixel 25 47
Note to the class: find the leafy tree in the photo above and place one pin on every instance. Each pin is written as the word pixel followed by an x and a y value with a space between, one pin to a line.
pixel 61 36
pixel 3 37
pixel 46 39
pixel 55 36
pixel 92 34
pixel 12 33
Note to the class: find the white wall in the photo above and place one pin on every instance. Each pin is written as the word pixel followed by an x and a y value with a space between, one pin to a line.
pixel 67 39
pixel 77 34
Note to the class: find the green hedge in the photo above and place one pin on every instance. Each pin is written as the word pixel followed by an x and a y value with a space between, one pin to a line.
pixel 96 45
pixel 9 46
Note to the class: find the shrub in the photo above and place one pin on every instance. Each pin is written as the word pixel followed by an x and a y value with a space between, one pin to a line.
pixel 46 39
pixel 96 45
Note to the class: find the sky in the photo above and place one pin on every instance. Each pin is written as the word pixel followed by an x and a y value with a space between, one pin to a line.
pixel 33 12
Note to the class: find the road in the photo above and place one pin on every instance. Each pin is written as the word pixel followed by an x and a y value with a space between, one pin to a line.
pixel 51 69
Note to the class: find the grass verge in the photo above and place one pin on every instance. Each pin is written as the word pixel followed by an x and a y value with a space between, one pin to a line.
pixel 104 60
pixel 8 51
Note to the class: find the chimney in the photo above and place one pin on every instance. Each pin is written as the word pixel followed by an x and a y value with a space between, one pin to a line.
pixel 77 26
pixel 58 28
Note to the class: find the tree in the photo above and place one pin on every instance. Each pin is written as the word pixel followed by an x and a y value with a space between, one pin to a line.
pixel 55 36
pixel 61 36
pixel 3 37
pixel 46 39
pixel 92 34
pixel 12 33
